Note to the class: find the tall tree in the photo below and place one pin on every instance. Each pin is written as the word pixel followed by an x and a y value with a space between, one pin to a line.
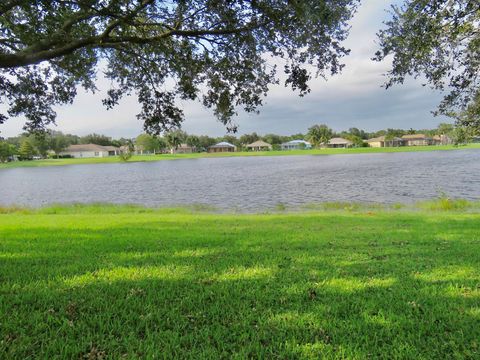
pixel 193 141
pixel 470 116
pixel 248 138
pixel 6 151
pixel 49 47
pixel 96 139
pixel 148 143
pixel 319 134
pixel 444 129
pixel 438 40
pixel 57 142
pixel 40 143
pixel 461 135
pixel 26 150
pixel 206 141
pixel 174 139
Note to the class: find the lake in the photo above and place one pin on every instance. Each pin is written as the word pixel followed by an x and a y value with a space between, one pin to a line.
pixel 251 183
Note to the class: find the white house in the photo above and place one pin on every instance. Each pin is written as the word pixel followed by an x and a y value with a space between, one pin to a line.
pixel 296 145
pixel 90 150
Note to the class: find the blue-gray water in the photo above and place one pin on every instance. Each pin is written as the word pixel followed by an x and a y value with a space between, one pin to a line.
pixel 251 183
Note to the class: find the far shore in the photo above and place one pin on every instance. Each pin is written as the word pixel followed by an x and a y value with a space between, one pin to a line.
pixel 159 157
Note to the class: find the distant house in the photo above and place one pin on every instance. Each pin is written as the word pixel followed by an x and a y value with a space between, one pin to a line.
pixel 442 140
pixel 381 142
pixel 296 145
pixel 417 140
pixel 90 150
pixel 259 146
pixel 184 149
pixel 222 147
pixel 339 142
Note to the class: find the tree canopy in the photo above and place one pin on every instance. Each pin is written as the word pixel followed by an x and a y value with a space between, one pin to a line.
pixel 438 40
pixel 319 135
pixel 209 50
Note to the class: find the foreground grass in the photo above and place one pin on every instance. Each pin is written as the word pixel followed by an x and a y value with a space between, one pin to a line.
pixel 140 158
pixel 106 282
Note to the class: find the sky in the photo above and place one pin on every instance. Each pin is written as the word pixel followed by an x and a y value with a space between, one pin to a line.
pixel 353 98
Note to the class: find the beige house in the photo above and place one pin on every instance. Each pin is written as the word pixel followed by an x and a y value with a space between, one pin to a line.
pixel 259 146
pixel 222 147
pixel 339 143
pixel 90 150
pixel 381 142
pixel 184 149
pixel 417 140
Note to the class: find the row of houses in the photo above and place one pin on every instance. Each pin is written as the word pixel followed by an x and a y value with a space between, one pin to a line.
pixel 94 150
pixel 410 140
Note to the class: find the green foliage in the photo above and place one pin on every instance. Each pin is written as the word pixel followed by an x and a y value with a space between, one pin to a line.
pixel 275 139
pixel 118 281
pixel 40 143
pixel 149 143
pixel 470 116
pixel 193 141
pixel 175 138
pixel 319 134
pixel 461 135
pixel 358 133
pixel 356 140
pixel 57 142
pixel 26 150
pixel 96 139
pixel 444 203
pixel 214 51
pixel 248 138
pixel 205 142
pixel 6 151
pixel 438 40
pixel 231 139
pixel 125 156
pixel 445 129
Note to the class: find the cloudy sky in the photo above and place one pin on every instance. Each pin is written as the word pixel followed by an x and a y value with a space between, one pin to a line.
pixel 352 99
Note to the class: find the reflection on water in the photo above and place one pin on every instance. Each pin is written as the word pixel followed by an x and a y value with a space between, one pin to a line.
pixel 251 183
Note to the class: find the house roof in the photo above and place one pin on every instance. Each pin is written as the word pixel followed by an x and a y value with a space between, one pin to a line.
pixel 415 137
pixel 259 143
pixel 382 138
pixel 339 141
pixel 89 147
pixel 294 142
pixel 185 146
pixel 223 144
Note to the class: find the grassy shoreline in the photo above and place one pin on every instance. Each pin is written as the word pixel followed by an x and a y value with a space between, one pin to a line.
pixel 106 281
pixel 148 158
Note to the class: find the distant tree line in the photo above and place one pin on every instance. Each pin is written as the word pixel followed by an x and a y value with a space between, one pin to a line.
pixel 52 143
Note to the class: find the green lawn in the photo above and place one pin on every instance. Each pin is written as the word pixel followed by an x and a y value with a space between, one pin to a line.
pixel 110 282
pixel 115 159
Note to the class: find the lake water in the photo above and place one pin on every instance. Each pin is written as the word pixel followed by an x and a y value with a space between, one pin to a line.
pixel 251 183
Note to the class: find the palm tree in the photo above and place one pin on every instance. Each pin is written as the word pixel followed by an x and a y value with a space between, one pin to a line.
pixel 174 139
pixel 389 137
pixel 319 134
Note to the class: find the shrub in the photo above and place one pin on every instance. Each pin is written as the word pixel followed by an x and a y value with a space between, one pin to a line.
pixel 125 156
